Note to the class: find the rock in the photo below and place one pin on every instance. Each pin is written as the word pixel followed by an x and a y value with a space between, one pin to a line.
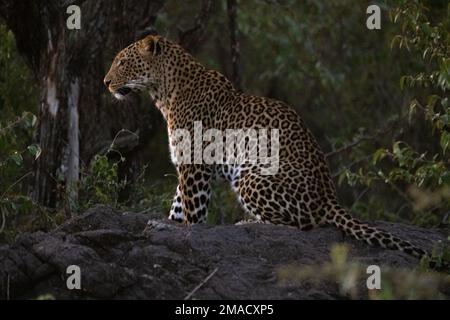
pixel 119 261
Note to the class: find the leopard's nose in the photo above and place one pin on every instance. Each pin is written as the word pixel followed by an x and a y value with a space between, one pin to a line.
pixel 107 82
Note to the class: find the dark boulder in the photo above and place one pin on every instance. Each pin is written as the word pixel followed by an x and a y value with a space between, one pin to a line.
pixel 119 261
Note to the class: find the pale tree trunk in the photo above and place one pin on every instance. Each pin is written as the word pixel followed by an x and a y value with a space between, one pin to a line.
pixel 73 168
pixel 53 107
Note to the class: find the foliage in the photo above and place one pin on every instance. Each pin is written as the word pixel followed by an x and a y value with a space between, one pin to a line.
pixel 18 212
pixel 351 277
pixel 101 183
pixel 154 198
pixel 416 171
pixel 17 107
pixel 17 152
pixel 45 297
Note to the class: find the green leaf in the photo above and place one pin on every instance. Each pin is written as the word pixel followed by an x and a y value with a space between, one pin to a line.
pixel 342 177
pixel 445 178
pixel 403 82
pixel 432 100
pixel 379 155
pixel 17 158
pixel 425 52
pixel 35 150
pixel 445 141
pixel 426 28
pixel 30 120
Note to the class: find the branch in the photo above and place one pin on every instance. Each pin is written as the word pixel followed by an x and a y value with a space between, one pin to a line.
pixel 123 143
pixel 361 139
pixel 15 183
pixel 348 166
pixel 201 284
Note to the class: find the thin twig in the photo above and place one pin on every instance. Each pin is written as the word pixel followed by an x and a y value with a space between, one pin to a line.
pixel 14 123
pixel 348 166
pixel 129 142
pixel 362 138
pixel 16 182
pixel 119 133
pixel 201 284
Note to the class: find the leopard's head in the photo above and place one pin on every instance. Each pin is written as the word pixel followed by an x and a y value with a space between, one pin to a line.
pixel 135 68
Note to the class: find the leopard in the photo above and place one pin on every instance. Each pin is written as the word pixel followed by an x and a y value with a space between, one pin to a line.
pixel 301 193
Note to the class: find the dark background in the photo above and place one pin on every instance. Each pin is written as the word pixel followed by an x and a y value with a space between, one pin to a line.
pixel 377 101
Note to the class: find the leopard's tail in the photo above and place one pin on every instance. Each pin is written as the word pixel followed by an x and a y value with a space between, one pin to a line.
pixel 373 236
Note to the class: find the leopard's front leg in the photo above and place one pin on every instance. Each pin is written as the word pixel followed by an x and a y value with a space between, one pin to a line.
pixel 195 191
pixel 176 210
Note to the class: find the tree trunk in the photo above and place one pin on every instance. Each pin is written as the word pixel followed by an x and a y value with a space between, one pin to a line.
pixel 77 117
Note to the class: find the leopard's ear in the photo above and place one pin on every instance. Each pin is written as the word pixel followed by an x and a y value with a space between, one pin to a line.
pixel 150 46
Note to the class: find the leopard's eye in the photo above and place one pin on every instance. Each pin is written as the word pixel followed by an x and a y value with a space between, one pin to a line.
pixel 119 63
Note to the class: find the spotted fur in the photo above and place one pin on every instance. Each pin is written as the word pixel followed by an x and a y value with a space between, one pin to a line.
pixel 300 194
